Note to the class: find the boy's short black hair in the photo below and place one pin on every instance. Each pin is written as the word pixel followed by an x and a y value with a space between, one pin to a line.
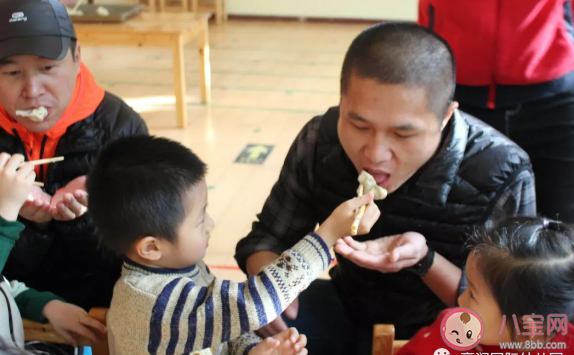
pixel 407 54
pixel 137 188
pixel 528 265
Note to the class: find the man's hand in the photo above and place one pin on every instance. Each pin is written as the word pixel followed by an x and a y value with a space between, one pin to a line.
pixel 37 207
pixel 15 184
pixel 70 202
pixel 288 342
pixel 72 322
pixel 386 254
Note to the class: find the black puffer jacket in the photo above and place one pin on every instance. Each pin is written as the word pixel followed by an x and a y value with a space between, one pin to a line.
pixel 66 258
pixel 476 175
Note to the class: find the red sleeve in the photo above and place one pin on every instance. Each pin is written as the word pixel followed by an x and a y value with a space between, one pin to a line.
pixel 423 15
pixel 426 341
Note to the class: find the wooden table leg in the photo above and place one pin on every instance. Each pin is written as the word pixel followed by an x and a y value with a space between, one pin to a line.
pixel 184 5
pixel 204 65
pixel 151 5
pixel 195 6
pixel 161 5
pixel 219 11
pixel 179 83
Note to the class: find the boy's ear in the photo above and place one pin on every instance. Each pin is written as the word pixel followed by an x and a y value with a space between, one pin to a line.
pixel 149 248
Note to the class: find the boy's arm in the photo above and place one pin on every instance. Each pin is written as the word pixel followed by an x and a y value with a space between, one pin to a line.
pixel 225 309
pixel 288 212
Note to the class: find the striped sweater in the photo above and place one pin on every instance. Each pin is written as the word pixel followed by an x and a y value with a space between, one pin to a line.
pixel 166 311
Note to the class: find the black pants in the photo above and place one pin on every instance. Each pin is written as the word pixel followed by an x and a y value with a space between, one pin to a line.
pixel 545 130
pixel 325 321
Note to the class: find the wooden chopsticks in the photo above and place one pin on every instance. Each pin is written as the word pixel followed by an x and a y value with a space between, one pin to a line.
pixel 41 162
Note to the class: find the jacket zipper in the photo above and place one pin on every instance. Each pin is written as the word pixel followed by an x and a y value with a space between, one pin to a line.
pixel 44 140
pixel 492 89
pixel 21 144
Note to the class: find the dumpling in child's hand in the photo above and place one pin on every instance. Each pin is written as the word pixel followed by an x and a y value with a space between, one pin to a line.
pixel 370 185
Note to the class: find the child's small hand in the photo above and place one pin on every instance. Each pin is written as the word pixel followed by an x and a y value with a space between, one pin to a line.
pixel 339 223
pixel 70 202
pixel 15 184
pixel 71 321
pixel 288 342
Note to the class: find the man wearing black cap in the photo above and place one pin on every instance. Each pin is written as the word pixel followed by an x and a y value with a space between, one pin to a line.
pixel 51 106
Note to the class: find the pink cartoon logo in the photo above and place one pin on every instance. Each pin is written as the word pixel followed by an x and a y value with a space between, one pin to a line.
pixel 461 329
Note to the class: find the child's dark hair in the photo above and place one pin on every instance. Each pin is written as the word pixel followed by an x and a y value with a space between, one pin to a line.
pixel 138 187
pixel 528 264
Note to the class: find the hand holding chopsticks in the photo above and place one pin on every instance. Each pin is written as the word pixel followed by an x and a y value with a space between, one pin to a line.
pixel 41 162
pixel 367 182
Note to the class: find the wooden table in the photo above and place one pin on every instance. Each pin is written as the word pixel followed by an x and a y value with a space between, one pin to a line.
pixel 171 30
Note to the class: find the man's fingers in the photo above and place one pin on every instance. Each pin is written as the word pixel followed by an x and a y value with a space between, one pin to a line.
pixel 355 244
pixel 343 248
pixel 73 205
pixel 65 212
pixel 404 252
pixel 366 260
pixel 82 197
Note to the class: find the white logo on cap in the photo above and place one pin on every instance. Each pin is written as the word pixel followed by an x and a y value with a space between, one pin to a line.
pixel 18 17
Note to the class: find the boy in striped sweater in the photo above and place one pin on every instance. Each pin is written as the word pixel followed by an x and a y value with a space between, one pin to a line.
pixel 148 198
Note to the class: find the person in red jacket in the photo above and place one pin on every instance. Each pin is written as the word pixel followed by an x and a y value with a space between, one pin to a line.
pixel 520 294
pixel 515 71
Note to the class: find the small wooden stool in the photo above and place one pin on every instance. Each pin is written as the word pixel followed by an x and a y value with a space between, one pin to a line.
pixel 384 342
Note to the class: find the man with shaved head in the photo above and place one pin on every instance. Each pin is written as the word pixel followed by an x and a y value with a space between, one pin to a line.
pixel 445 171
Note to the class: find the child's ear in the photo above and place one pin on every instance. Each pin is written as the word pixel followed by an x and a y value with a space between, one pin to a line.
pixel 149 248
pixel 527 320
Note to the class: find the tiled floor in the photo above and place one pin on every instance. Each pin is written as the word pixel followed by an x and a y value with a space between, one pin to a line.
pixel 268 80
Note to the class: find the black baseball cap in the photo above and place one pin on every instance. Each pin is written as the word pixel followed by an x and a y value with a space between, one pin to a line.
pixel 35 27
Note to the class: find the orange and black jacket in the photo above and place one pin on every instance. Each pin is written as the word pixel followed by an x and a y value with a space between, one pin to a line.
pixel 66 258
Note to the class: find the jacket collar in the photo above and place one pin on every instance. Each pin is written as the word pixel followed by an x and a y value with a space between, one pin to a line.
pixel 433 181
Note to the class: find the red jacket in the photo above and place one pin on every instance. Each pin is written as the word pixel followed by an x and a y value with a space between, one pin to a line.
pixel 429 339
pixel 507 51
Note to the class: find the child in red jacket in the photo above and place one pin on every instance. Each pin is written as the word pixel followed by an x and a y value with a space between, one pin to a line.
pixel 520 294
